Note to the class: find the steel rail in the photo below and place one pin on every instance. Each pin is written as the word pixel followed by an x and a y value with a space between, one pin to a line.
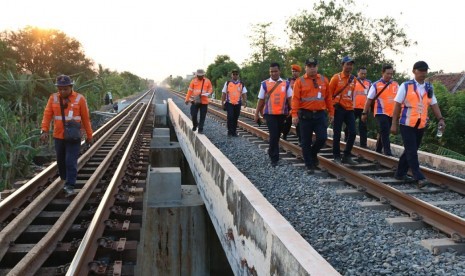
pixel 34 259
pixel 86 251
pixel 13 229
pixel 418 209
pixel 33 187
pixel 438 178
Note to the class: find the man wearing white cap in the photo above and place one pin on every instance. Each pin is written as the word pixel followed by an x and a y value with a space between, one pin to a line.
pixel 197 94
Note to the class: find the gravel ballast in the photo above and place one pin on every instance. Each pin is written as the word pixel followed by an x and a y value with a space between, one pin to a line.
pixel 354 240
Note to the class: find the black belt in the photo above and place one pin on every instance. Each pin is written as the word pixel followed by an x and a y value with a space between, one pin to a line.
pixel 313 111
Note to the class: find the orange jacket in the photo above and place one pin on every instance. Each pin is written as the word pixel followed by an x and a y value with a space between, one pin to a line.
pixel 195 89
pixel 306 96
pixel 361 92
pixel 384 104
pixel 345 98
pixel 414 107
pixel 80 113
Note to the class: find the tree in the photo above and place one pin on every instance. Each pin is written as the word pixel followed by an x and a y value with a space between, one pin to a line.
pixel 219 71
pixel 332 31
pixel 452 108
pixel 46 52
pixel 265 51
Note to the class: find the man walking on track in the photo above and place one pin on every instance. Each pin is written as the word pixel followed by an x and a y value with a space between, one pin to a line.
pixel 309 104
pixel 382 93
pixel 68 109
pixel 341 87
pixel 273 103
pixel 233 97
pixel 197 94
pixel 412 101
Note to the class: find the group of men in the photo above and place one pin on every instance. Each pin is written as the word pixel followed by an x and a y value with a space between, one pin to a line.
pixel 308 100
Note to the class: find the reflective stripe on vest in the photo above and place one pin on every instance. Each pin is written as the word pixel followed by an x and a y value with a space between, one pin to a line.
pixel 414 106
pixel 67 117
pixel 360 93
pixel 276 104
pixel 308 99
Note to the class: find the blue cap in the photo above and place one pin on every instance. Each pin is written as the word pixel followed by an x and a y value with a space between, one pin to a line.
pixel 64 80
pixel 347 59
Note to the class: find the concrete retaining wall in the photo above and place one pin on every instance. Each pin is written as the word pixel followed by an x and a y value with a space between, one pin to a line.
pixel 257 240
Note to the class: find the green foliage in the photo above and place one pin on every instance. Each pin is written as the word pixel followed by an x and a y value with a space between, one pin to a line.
pixel 46 52
pixel 333 30
pixel 17 143
pixel 219 72
pixel 452 108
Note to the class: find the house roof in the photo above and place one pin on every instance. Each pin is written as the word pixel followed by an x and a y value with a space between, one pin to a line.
pixel 453 81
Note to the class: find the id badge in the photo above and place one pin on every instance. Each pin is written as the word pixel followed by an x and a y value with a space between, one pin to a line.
pixel 319 95
pixel 366 91
pixel 70 114
pixel 349 93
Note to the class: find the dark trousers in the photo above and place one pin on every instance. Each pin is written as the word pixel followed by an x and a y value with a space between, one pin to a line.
pixel 383 142
pixel 343 116
pixel 275 125
pixel 287 128
pixel 203 114
pixel 362 128
pixel 409 159
pixel 233 111
pixel 307 126
pixel 67 157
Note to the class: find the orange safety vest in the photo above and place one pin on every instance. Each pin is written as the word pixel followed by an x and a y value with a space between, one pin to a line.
pixel 234 92
pixel 384 104
pixel 344 98
pixel 361 92
pixel 415 108
pixel 77 110
pixel 195 89
pixel 276 103
pixel 307 96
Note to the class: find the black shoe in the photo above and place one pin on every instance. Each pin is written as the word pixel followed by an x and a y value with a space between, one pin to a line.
pixel 274 163
pixel 310 169
pixel 200 131
pixel 405 179
pixel 422 183
pixel 194 128
pixel 338 160
pixel 234 135
pixel 316 162
pixel 69 190
pixel 285 137
pixel 348 160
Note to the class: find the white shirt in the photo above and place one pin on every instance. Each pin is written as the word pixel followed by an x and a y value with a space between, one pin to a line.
pixel 261 94
pixel 244 90
pixel 372 92
pixel 400 97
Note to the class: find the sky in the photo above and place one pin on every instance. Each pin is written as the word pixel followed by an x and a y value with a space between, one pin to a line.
pixel 155 39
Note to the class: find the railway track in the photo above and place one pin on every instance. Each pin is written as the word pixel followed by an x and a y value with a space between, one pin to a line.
pixel 45 233
pixel 374 175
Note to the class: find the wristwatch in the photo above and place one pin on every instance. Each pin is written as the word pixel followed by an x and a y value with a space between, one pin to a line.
pixel 364 113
